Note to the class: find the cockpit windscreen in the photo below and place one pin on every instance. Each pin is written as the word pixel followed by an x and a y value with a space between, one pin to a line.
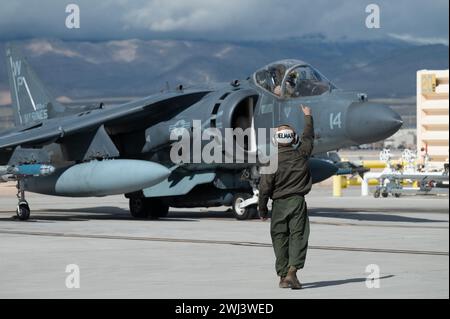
pixel 292 79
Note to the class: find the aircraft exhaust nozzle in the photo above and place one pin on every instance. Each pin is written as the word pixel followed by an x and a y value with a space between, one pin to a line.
pixel 370 122
pixel 100 178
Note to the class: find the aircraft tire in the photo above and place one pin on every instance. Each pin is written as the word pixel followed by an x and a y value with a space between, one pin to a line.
pixel 156 208
pixel 139 207
pixel 23 211
pixel 243 213
pixel 376 194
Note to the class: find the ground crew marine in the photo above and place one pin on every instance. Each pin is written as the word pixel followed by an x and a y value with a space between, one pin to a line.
pixel 287 187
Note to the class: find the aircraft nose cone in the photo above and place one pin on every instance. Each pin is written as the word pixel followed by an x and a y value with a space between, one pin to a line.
pixel 369 123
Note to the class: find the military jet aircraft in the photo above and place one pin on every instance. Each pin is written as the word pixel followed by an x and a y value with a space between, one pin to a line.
pixel 93 151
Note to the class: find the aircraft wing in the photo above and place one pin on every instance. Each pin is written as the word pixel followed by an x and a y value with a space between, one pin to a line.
pixel 40 135
pixel 123 118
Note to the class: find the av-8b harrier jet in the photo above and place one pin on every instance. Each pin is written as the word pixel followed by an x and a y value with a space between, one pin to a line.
pixel 93 151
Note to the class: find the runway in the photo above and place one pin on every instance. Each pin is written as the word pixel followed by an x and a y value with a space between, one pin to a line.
pixel 205 253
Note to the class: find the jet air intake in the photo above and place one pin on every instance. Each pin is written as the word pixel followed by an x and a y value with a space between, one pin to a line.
pixel 236 112
pixel 224 112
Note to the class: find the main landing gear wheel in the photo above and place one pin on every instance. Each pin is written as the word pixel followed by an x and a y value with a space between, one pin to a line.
pixel 243 213
pixel 23 209
pixel 138 207
pixel 157 208
pixel 153 208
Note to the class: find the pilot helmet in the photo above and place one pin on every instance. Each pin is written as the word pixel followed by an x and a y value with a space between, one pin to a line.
pixel 285 135
pixel 291 83
pixel 292 78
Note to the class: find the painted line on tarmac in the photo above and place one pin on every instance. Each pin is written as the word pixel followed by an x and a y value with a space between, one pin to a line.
pixel 220 242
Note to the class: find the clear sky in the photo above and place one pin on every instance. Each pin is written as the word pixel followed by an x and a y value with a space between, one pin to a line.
pixel 411 20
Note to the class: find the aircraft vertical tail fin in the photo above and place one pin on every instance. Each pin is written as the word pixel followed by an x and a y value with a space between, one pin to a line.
pixel 31 101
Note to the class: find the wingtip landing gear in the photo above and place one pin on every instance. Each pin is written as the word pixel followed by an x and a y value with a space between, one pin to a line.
pixel 23 209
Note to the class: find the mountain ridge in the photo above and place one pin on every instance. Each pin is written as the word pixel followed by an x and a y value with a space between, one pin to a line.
pixel 81 69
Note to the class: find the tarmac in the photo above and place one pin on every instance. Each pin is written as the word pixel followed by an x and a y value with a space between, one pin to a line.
pixel 206 253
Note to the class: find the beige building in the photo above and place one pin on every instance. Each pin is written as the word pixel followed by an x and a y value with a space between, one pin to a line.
pixel 433 116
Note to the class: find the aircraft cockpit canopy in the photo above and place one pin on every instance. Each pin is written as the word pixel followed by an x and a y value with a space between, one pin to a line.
pixel 292 79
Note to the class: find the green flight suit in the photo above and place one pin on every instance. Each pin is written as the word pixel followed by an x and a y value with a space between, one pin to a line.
pixel 288 187
pixel 289 230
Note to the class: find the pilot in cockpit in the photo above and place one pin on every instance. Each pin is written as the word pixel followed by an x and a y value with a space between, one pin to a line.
pixel 291 84
pixel 292 79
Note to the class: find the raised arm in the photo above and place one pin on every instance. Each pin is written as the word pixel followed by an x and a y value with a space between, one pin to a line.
pixel 307 140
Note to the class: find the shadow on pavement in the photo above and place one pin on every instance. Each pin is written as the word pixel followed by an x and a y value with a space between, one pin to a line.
pixel 98 213
pixel 116 213
pixel 355 215
pixel 320 284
